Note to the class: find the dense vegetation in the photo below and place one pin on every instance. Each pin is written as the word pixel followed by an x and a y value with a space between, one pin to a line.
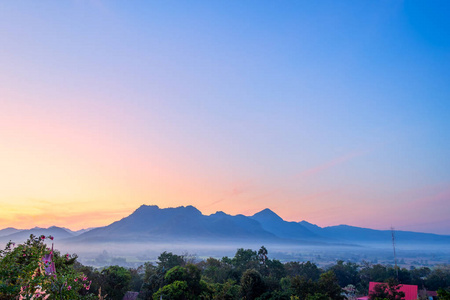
pixel 248 275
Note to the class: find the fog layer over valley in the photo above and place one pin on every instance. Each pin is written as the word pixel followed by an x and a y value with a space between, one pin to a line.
pixel 149 231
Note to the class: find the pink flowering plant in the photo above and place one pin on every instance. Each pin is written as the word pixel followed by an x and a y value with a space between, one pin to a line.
pixel 26 273
pixel 71 286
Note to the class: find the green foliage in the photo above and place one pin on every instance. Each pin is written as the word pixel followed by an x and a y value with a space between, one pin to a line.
pixel 381 273
pixel 275 295
pixel 188 280
pixel 275 269
pixel 247 275
pixel 389 290
pixel 96 279
pixel 116 281
pixel 262 255
pixel 226 291
pixel 318 296
pixel 349 291
pixel 244 260
pixel 252 284
pixel 168 260
pixel 376 273
pixel 19 263
pixel 444 294
pixel 326 285
pixel 152 281
pixel 154 275
pixel 439 277
pixel 418 275
pixel 307 270
pixel 302 287
pixel 176 274
pixel 177 290
pixel 216 271
pixel 22 273
pixel 346 273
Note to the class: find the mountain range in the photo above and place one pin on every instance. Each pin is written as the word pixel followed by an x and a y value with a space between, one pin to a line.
pixel 150 224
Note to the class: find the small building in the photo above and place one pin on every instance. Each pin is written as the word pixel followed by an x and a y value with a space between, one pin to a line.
pixel 411 291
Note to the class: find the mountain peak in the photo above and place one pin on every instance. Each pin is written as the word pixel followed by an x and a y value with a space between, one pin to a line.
pixel 38 228
pixel 144 206
pixel 149 223
pixel 219 213
pixel 190 209
pixel 144 211
pixel 267 214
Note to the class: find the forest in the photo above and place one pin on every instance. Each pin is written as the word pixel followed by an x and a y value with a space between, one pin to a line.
pixel 33 270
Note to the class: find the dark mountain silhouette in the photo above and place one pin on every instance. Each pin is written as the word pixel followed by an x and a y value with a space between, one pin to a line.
pixel 273 223
pixel 77 232
pixel 342 233
pixel 368 236
pixel 23 235
pixel 150 223
pixel 311 227
pixel 188 224
pixel 181 223
pixel 8 231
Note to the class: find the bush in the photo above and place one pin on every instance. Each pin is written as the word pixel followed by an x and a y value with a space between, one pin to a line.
pixel 24 272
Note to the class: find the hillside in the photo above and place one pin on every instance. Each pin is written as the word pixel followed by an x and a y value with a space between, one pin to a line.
pixel 151 224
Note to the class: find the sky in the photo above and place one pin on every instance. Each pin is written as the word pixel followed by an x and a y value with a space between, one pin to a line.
pixel 333 112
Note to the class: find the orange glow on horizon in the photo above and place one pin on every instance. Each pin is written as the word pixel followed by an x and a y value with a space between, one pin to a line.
pixel 60 173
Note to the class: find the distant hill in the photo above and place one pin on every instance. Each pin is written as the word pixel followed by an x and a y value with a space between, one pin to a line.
pixel 8 231
pixel 78 232
pixel 151 224
pixel 23 235
pixel 182 223
pixel 273 223
pixel 371 236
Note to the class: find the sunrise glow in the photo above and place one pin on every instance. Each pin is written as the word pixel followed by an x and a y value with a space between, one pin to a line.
pixel 324 112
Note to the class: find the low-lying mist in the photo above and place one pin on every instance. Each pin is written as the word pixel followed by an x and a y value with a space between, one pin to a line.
pixel 135 254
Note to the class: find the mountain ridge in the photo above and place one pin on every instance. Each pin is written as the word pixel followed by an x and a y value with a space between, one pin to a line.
pixel 187 223
pixel 149 223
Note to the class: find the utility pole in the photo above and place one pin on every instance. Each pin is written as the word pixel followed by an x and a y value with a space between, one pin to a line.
pixel 393 246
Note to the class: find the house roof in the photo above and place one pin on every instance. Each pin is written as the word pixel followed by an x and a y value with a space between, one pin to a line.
pixel 409 290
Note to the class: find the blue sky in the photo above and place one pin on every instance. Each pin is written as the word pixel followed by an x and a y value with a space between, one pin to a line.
pixel 332 112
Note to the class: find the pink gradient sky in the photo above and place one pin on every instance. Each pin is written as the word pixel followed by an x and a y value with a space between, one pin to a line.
pixel 329 112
